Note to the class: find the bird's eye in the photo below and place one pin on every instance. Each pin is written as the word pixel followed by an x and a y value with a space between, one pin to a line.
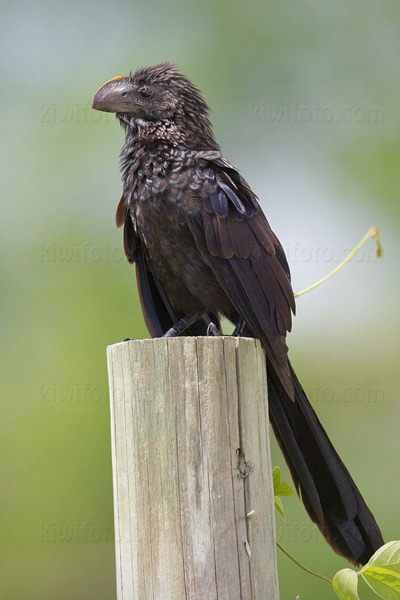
pixel 146 92
pixel 124 94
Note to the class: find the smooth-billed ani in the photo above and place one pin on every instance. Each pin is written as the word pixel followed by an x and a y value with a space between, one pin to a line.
pixel 203 249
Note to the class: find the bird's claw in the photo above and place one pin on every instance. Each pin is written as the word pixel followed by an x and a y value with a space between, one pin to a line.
pixel 181 326
pixel 212 330
pixel 238 331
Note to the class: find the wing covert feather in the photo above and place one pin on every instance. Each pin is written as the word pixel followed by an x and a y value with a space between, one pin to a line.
pixel 249 263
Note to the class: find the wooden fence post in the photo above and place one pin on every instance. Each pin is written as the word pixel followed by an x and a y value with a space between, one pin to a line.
pixel 193 496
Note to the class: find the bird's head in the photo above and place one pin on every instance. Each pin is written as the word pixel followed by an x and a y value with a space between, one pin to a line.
pixel 156 94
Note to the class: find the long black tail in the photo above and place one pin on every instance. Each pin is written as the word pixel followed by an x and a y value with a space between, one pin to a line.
pixel 330 495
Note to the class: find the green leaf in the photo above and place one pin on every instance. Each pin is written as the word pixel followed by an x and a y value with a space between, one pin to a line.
pixel 387 554
pixel 283 489
pixel 280 489
pixel 385 582
pixel 345 584
pixel 382 572
pixel 276 476
pixel 279 507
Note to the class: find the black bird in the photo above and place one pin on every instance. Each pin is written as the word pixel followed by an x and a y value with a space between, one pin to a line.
pixel 203 249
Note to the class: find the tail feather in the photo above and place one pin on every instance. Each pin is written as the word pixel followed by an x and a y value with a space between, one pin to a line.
pixel 330 495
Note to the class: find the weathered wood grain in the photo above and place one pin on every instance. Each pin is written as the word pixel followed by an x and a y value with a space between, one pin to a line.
pixel 191 459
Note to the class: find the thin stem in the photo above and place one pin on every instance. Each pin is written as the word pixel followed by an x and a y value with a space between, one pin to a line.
pixel 302 566
pixel 372 233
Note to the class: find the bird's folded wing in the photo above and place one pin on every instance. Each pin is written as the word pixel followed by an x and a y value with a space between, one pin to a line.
pixel 248 261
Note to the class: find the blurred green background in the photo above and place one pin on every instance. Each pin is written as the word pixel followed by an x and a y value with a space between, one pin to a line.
pixel 305 100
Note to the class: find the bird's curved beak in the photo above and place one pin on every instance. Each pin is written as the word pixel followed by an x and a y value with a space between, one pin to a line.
pixel 113 96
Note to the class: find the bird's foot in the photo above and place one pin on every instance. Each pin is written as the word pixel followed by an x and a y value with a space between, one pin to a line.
pixel 212 330
pixel 181 325
pixel 238 331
